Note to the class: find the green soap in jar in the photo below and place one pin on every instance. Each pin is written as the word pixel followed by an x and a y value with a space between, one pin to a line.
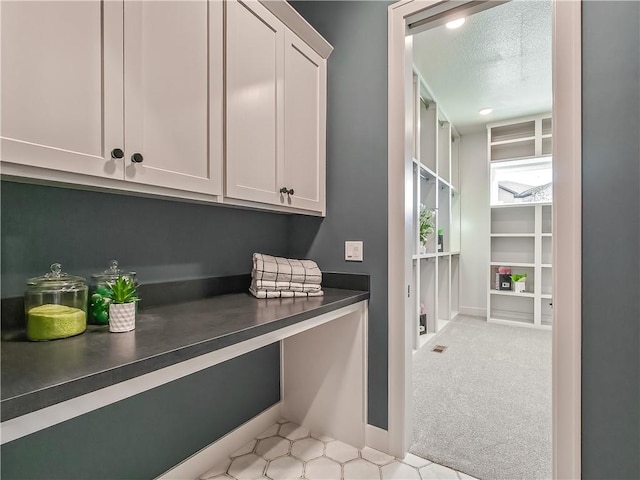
pixel 49 321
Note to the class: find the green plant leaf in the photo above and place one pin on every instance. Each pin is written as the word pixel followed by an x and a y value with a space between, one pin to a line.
pixel 516 277
pixel 426 224
pixel 122 290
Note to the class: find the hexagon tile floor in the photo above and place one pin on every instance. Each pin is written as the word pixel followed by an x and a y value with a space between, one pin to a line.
pixel 288 451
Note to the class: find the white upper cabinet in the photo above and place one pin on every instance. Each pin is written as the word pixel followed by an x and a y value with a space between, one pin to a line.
pixel 62 85
pixel 255 82
pixel 141 79
pixel 276 112
pixel 305 119
pixel 141 96
pixel 173 94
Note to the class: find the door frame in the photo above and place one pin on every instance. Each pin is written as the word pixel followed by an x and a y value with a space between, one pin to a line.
pixel 567 227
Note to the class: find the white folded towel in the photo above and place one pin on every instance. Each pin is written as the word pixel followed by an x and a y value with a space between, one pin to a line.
pixel 283 294
pixel 278 269
pixel 272 286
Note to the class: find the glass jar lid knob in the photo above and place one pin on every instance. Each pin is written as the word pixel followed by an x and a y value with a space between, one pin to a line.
pixel 56 271
pixel 114 267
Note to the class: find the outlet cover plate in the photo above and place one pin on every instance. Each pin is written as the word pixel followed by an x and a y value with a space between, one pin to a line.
pixel 353 251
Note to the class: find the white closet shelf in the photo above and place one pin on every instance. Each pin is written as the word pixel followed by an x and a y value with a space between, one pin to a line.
pixel 421 256
pixel 509 293
pixel 514 140
pixel 435 169
pixel 520 231
pixel 519 205
pixel 441 180
pixel 506 321
pixel 513 235
pixel 512 264
pixel 424 168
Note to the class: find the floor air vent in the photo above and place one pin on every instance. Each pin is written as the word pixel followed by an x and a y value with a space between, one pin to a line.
pixel 439 348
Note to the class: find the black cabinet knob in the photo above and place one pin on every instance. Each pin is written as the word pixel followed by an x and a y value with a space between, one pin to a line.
pixel 284 190
pixel 290 192
pixel 117 153
pixel 137 158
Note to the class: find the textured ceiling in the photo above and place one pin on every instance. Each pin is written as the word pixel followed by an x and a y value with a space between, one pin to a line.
pixel 500 58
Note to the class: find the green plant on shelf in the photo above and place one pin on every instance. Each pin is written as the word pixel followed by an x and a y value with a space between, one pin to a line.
pixel 426 224
pixel 516 277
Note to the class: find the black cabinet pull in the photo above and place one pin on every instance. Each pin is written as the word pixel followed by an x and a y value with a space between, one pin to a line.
pixel 284 190
pixel 290 192
pixel 137 158
pixel 117 153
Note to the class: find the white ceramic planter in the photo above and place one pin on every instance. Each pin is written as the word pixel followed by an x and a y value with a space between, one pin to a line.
pixel 122 317
pixel 519 287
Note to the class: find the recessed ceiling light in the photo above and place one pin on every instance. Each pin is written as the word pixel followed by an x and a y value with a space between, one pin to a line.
pixel 456 23
pixel 485 111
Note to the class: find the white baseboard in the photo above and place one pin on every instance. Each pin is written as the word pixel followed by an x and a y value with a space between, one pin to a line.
pixel 200 462
pixel 473 311
pixel 377 438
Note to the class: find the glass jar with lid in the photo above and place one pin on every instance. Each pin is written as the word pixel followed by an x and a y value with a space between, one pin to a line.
pixel 55 305
pixel 98 293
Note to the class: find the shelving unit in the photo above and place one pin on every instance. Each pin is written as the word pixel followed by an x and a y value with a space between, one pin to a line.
pixel 436 174
pixel 521 236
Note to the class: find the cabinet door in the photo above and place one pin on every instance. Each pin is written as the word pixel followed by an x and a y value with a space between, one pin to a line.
pixel 305 125
pixel 255 124
pixel 173 94
pixel 62 85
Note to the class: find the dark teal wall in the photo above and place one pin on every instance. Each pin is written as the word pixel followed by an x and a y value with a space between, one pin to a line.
pixel 356 166
pixel 145 435
pixel 611 240
pixel 162 240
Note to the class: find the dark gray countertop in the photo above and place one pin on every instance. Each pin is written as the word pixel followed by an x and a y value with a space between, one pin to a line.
pixel 39 374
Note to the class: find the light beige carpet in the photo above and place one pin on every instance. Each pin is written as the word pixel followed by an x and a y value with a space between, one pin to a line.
pixel 483 406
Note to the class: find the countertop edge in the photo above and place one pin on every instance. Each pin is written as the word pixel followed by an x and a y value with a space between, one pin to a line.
pixel 33 401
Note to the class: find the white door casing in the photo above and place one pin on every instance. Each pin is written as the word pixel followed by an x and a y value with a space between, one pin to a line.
pixel 566 227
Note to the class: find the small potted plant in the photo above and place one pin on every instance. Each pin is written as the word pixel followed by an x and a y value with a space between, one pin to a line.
pixel 426 227
pixel 122 307
pixel 519 281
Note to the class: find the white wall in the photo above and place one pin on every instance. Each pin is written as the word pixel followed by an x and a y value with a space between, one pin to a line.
pixel 475 224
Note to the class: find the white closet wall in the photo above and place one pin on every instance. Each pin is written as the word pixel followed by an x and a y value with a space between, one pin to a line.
pixel 475 218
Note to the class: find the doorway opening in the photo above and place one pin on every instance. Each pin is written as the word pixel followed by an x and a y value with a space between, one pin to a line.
pixel 428 193
pixel 482 265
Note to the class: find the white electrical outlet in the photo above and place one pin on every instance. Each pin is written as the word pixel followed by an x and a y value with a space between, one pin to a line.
pixel 353 251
